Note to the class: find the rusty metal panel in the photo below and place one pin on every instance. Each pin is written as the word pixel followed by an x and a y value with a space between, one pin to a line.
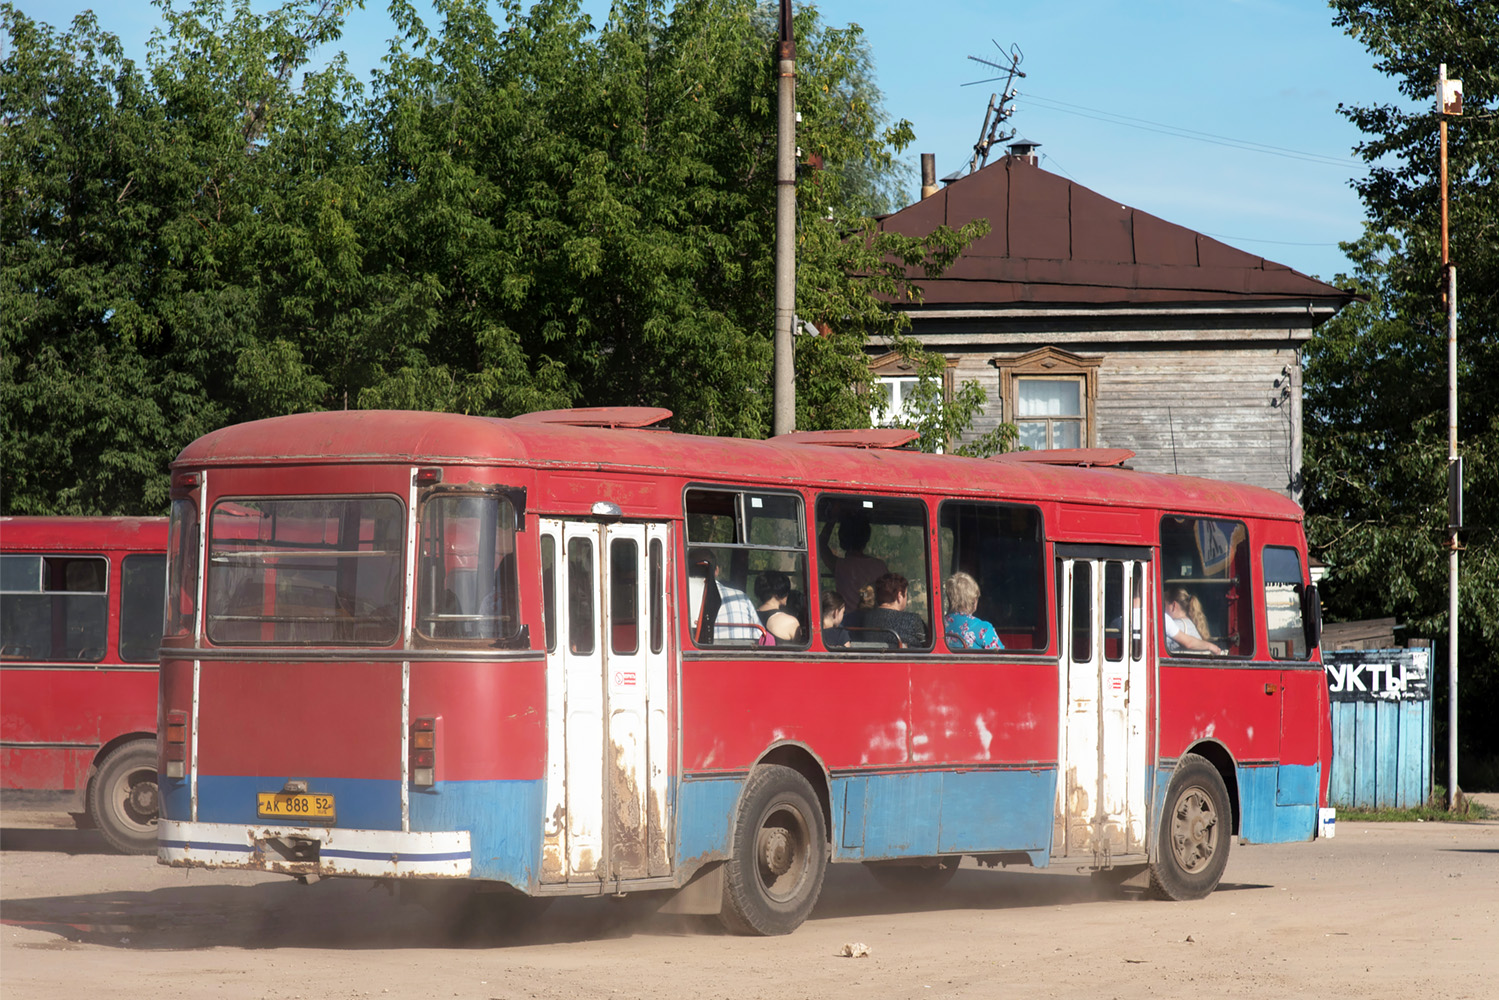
pixel 1040 215
pixel 1159 242
pixel 981 195
pixel 1102 230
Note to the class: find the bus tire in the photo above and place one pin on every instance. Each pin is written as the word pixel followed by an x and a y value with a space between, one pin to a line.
pixel 1195 831
pixel 123 800
pixel 914 879
pixel 779 857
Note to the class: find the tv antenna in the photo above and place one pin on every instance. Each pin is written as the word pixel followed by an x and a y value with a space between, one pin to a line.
pixel 1000 107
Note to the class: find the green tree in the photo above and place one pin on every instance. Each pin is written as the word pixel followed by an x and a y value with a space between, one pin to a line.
pixel 523 210
pixel 140 304
pixel 1376 376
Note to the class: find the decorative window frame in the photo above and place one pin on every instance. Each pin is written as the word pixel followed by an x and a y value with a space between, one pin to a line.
pixel 1055 363
pixel 894 365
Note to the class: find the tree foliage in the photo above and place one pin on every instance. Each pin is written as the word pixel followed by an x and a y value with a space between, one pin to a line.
pixel 1376 376
pixel 520 211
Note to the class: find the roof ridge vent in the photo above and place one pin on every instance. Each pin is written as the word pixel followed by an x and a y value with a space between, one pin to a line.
pixel 853 437
pixel 598 416
pixel 1083 458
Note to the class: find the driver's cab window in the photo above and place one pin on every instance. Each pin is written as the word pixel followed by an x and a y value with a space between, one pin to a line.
pixel 1206 604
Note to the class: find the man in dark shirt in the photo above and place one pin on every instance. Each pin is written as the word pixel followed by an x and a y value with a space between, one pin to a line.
pixel 889 614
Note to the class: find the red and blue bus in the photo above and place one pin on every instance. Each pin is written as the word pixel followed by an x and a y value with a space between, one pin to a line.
pixel 80 626
pixel 515 654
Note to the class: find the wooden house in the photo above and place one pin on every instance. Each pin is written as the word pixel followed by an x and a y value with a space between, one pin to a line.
pixel 1092 324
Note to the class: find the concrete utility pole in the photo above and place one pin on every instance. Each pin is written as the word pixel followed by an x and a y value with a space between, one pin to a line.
pixel 784 415
pixel 1450 102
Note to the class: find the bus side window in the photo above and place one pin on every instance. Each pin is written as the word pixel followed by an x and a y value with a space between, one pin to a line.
pixel 868 549
pixel 753 544
pixel 1000 546
pixel 54 607
pixel 143 582
pixel 1205 574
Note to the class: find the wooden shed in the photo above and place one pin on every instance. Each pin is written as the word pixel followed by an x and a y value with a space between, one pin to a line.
pixel 1093 324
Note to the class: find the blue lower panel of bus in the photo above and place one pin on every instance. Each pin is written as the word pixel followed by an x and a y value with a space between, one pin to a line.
pixel 1278 803
pixel 360 803
pixel 503 818
pixel 892 815
pixel 912 814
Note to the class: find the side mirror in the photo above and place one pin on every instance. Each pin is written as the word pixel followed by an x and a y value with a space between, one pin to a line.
pixel 1311 616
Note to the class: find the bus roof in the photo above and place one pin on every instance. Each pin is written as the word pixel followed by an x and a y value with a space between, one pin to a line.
pixel 420 438
pixel 63 534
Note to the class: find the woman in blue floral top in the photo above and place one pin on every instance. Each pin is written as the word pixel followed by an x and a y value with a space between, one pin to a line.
pixel 960 593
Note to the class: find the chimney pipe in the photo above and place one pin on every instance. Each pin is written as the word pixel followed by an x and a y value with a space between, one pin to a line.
pixel 928 174
pixel 1025 149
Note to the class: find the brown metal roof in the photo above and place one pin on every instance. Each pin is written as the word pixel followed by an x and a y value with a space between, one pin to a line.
pixel 1053 242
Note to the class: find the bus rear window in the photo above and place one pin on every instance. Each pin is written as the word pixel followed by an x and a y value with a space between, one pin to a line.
pixel 305 571
pixel 467 585
pixel 54 607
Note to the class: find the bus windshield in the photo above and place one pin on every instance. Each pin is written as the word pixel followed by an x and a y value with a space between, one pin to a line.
pixel 305 571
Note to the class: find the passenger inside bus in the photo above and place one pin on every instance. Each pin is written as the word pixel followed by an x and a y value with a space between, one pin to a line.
pixel 734 606
pixel 1186 623
pixel 854 569
pixel 960 596
pixel 772 591
pixel 833 610
pixel 796 607
pixel 888 619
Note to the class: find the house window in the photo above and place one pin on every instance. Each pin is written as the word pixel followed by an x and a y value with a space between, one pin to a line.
pixel 1049 396
pixel 1049 412
pixel 894 392
pixel 896 384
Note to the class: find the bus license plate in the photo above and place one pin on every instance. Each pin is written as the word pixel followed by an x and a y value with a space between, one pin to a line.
pixel 300 806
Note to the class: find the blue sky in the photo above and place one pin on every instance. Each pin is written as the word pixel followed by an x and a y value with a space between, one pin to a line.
pixel 1110 92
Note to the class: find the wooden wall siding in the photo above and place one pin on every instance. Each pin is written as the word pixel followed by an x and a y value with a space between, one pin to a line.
pixel 1221 402
pixel 1214 413
pixel 1381 754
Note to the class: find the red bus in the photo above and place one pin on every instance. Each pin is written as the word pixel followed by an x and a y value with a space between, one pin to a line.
pixel 80 625
pixel 426 647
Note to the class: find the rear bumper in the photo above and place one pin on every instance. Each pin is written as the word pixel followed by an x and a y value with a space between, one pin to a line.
pixel 315 850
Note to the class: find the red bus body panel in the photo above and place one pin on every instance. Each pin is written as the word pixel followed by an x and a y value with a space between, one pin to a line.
pixel 59 714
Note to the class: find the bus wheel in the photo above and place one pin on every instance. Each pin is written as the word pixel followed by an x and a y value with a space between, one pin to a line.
pixel 1192 849
pixel 123 801
pixel 780 854
pixel 916 878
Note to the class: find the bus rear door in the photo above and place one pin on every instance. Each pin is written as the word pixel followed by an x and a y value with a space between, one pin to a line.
pixel 608 734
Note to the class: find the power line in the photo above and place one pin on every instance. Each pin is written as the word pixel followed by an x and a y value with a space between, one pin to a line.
pixel 1181 132
pixel 1255 239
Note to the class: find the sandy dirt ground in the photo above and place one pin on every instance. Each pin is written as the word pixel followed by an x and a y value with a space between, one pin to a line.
pixel 1399 911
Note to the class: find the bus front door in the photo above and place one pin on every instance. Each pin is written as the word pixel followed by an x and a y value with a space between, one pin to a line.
pixel 607 635
pixel 1104 604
